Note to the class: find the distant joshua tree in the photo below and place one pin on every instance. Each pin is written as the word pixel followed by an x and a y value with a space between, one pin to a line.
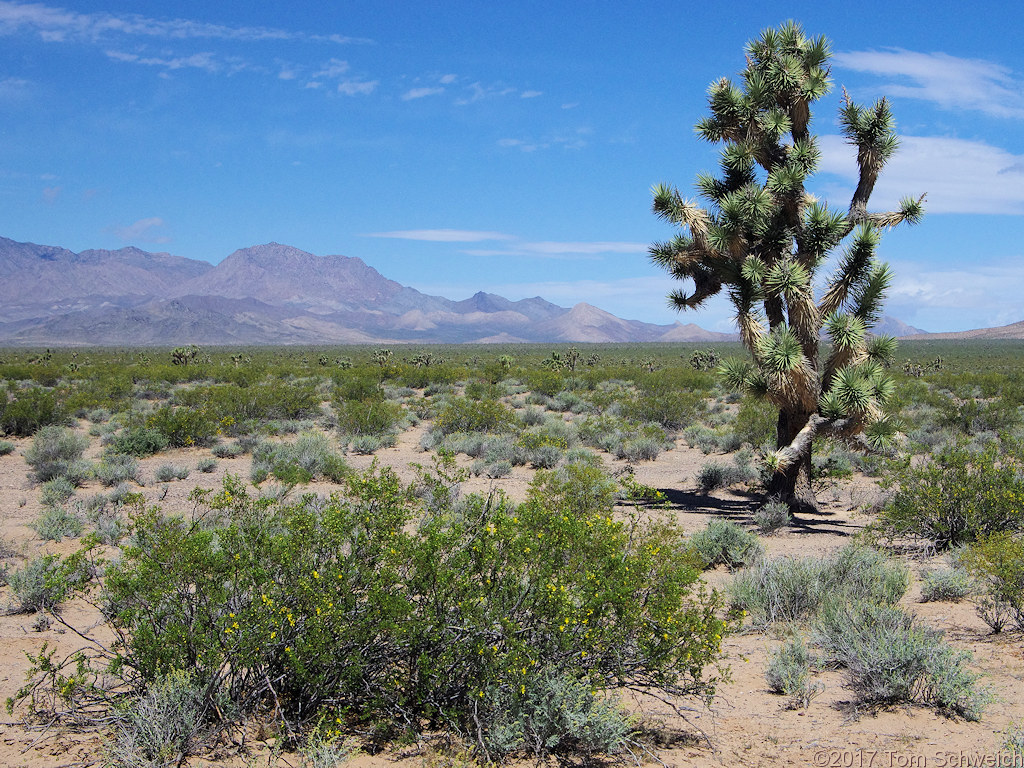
pixel 763 239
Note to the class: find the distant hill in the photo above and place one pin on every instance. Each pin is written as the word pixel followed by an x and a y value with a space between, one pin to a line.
pixel 270 294
pixel 1012 331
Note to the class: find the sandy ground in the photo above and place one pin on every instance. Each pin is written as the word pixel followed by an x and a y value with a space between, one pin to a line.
pixel 746 725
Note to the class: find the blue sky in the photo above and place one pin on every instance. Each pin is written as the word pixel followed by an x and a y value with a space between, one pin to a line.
pixel 464 146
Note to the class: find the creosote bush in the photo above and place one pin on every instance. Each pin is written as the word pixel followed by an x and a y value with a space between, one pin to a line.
pixel 376 609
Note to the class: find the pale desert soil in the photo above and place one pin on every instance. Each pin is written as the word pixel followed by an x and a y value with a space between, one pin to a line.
pixel 745 726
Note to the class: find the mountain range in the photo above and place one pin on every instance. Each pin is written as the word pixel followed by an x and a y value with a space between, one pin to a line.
pixel 275 294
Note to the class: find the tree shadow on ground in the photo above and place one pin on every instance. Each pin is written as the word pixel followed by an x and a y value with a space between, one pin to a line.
pixel 742 506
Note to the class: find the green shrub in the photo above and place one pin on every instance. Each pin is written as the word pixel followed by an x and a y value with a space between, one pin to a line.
pixel 310 456
pixel 756 422
pixel 165 473
pixel 227 450
pixel 206 465
pixel 117 468
pixel 461 414
pixel 162 727
pixel 184 427
pixel 890 658
pixel 772 516
pixel 714 475
pixel 138 441
pixel 725 542
pixel 945 585
pixel 368 417
pixel 26 411
pixel 997 562
pixel 55 523
pixel 396 615
pixel 57 452
pixel 41 585
pixel 794 589
pixel 6 447
pixel 56 491
pixel 555 712
pixel 958 496
pixel 789 672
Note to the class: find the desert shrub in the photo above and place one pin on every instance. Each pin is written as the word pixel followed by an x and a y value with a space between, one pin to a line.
pixel 26 411
pixel 397 615
pixel 891 658
pixel 556 712
pixel 794 589
pixel 227 450
pixel 57 452
pixel 545 382
pixel 531 417
pixel 789 672
pixel 206 465
pixel 500 468
pixel 162 727
pixel 972 416
pixel 713 475
pixel 56 491
pixel 117 468
pixel 723 541
pixel 368 417
pixel 6 447
pixel 755 422
pixel 357 385
pixel 42 584
pixel 945 585
pixel 309 457
pixel 229 404
pixel 957 496
pixel 461 414
pixel 368 444
pixel 546 456
pixel 663 404
pixel 703 437
pixel 165 473
pixel 771 516
pixel 139 441
pixel 997 562
pixel 183 427
pixel 833 464
pixel 98 415
pixel 56 523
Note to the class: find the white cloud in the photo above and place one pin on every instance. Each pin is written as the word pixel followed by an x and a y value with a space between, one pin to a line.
pixel 13 87
pixel 357 87
pixel 959 176
pixel 949 299
pixel 419 93
pixel 142 231
pixel 58 24
pixel 204 61
pixel 950 82
pixel 50 194
pixel 443 235
pixel 551 249
pixel 530 94
pixel 332 69
pixel 448 79
pixel 477 92
pixel 573 139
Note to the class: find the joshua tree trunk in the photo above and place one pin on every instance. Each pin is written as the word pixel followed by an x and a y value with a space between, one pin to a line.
pixel 793 484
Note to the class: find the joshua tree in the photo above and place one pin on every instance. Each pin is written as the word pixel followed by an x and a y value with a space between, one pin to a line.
pixel 764 239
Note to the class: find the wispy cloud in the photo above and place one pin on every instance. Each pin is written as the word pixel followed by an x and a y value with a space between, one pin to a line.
pixel 530 94
pixel 420 93
pixel 572 139
pixel 562 250
pixel 204 61
pixel 959 176
pixel 950 82
pixel 50 194
pixel 956 299
pixel 514 246
pixel 142 231
pixel 478 91
pixel 357 87
pixel 55 24
pixel 443 235
pixel 13 87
